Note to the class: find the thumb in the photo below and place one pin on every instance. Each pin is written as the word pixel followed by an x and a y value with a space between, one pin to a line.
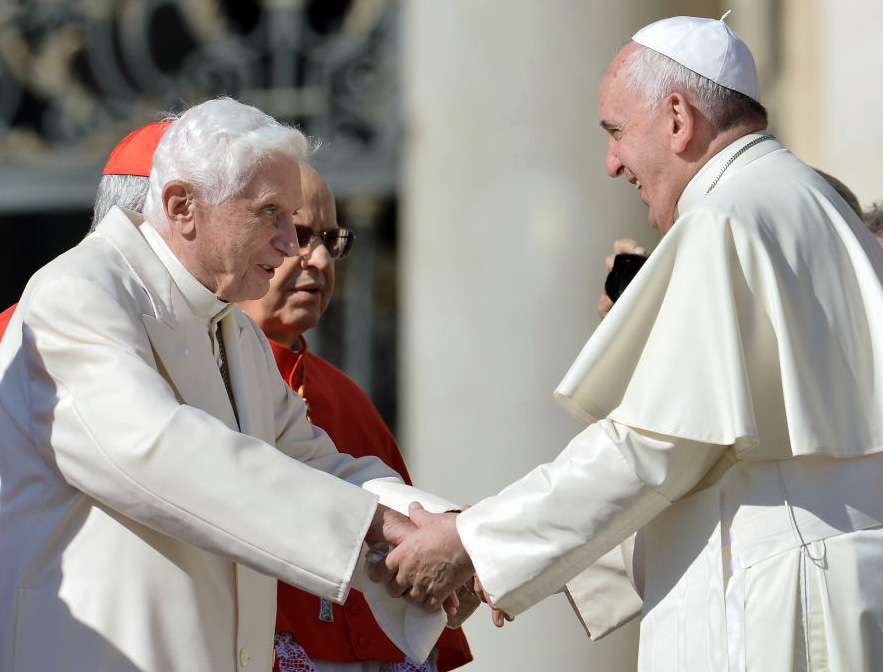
pixel 417 513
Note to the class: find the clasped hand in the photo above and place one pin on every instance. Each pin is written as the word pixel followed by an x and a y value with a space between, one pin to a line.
pixel 429 563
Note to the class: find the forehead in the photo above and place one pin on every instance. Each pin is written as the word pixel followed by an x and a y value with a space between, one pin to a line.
pixel 277 175
pixel 617 67
pixel 319 206
pixel 614 77
pixel 617 103
pixel 615 106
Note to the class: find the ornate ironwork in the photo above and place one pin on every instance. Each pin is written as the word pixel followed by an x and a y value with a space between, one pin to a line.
pixel 77 75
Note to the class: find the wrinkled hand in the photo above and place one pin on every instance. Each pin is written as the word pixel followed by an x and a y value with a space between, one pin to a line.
pixel 388 526
pixel 621 246
pixel 428 563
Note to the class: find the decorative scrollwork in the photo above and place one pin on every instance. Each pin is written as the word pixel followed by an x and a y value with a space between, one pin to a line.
pixel 76 75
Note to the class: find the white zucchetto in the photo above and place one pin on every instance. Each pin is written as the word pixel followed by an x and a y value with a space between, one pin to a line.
pixel 708 47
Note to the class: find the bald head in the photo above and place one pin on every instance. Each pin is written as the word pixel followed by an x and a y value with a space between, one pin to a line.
pixel 319 203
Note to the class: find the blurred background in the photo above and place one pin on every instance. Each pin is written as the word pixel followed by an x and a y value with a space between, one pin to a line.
pixel 461 140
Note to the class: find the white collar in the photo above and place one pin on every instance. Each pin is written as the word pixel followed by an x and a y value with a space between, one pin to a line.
pixel 723 165
pixel 202 301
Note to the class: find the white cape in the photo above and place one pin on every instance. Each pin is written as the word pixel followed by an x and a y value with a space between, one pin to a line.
pixel 755 329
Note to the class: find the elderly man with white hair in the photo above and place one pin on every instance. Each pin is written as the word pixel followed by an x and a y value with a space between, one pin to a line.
pixel 156 472
pixel 733 396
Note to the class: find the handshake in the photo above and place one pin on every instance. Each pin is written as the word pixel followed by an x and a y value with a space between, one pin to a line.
pixel 426 563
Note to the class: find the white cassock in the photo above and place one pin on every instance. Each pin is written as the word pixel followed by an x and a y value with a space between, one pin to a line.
pixel 734 396
pixel 139 528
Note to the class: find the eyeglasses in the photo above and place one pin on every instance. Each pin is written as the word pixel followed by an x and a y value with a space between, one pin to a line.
pixel 338 242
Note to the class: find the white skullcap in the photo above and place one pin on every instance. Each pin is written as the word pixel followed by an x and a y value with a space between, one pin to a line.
pixel 707 47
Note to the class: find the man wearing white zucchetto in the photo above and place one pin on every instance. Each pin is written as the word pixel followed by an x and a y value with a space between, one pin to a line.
pixel 733 397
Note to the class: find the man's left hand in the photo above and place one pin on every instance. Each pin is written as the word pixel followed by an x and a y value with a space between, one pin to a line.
pixel 388 526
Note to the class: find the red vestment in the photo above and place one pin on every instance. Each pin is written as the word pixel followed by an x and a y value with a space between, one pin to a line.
pixel 344 411
pixel 6 315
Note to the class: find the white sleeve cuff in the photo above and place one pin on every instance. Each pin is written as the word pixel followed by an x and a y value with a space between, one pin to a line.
pixel 544 529
pixel 604 596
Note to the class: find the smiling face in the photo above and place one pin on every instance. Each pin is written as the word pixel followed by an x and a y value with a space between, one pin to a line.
pixel 235 247
pixel 639 143
pixel 302 287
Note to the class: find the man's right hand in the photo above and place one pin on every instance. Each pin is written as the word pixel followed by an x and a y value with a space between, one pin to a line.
pixel 621 246
pixel 427 564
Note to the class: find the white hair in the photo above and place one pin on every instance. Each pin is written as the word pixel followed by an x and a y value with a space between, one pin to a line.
pixel 126 191
pixel 216 147
pixel 653 76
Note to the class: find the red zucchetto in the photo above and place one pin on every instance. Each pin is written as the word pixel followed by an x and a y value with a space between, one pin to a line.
pixel 134 153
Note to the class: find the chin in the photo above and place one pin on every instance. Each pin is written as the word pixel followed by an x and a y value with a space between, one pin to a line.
pixel 254 293
pixel 302 324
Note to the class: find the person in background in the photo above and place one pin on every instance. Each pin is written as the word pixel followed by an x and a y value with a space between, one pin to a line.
pixel 156 472
pixel 845 192
pixel 733 397
pixel 874 220
pixel 312 633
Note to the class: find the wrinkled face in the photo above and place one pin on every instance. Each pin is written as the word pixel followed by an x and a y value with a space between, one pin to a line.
pixel 302 287
pixel 637 145
pixel 239 244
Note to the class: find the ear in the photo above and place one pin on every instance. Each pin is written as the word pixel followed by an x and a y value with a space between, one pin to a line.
pixel 682 122
pixel 179 206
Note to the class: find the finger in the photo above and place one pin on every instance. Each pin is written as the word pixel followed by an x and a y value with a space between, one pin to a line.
pixel 380 571
pixel 604 305
pixel 500 617
pixel 451 604
pixel 628 246
pixel 409 596
pixel 608 262
pixel 397 588
pixel 479 590
pixel 400 582
pixel 431 604
pixel 417 514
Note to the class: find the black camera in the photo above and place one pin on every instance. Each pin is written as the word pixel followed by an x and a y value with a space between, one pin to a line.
pixel 625 267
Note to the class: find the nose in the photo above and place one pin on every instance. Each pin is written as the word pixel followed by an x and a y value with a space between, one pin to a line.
pixel 286 240
pixel 614 165
pixel 315 254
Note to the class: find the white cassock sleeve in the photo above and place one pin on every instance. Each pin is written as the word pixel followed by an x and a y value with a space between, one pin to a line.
pixel 543 530
pixel 605 596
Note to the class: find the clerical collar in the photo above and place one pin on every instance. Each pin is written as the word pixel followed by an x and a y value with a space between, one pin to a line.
pixel 722 165
pixel 201 300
